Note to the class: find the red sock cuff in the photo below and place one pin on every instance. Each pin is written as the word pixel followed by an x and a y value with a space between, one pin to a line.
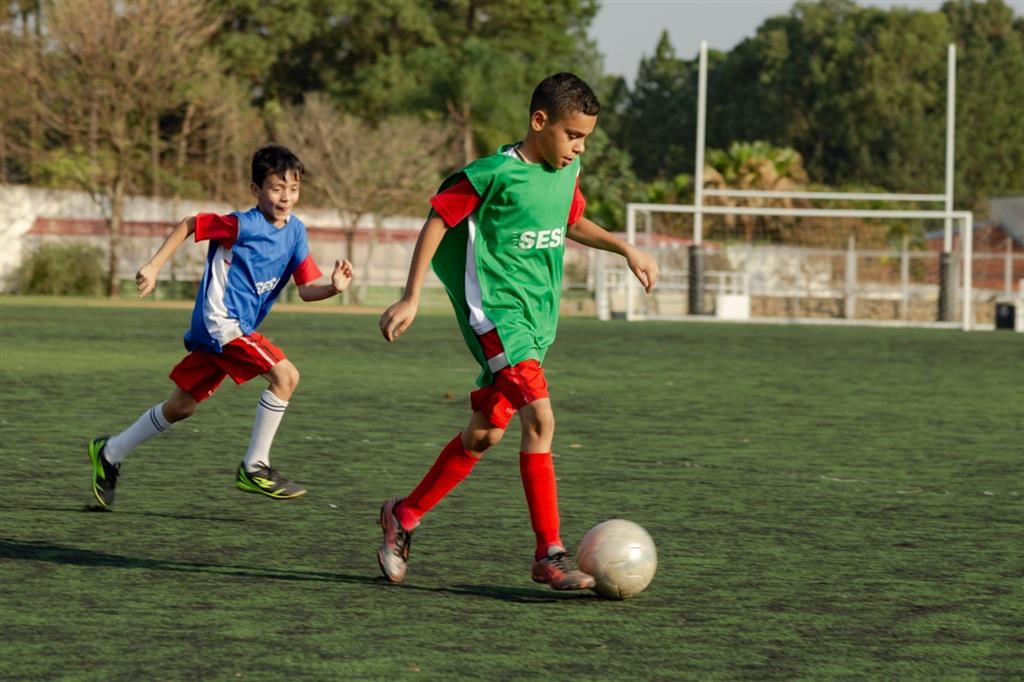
pixel 405 519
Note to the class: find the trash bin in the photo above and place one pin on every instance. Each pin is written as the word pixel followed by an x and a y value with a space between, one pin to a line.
pixel 1006 314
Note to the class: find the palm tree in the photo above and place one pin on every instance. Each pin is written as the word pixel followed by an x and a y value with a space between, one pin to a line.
pixel 754 165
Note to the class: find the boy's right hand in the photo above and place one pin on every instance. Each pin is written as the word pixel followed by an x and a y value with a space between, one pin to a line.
pixel 396 319
pixel 145 279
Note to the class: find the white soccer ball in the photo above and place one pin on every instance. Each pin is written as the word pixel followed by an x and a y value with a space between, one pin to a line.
pixel 621 556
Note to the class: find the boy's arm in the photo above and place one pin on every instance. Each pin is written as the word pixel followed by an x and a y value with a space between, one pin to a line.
pixel 341 277
pixel 145 278
pixel 397 318
pixel 643 265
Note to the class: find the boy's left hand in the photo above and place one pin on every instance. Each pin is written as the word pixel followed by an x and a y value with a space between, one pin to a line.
pixel 341 276
pixel 396 319
pixel 645 268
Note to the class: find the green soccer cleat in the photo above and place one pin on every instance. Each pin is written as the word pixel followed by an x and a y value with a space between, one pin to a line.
pixel 104 474
pixel 267 481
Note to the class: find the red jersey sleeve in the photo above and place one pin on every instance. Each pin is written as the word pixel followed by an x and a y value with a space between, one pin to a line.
pixel 454 203
pixel 218 228
pixel 307 272
pixel 458 201
pixel 579 204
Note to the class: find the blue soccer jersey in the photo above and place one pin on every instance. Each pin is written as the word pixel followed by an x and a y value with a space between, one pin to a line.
pixel 248 264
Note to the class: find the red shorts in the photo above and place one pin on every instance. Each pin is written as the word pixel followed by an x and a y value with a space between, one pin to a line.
pixel 200 373
pixel 513 386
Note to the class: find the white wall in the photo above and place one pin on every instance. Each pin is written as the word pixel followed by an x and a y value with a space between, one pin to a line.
pixel 21 205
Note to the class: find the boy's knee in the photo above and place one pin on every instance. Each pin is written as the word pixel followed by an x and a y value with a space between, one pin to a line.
pixel 177 410
pixel 291 377
pixel 479 440
pixel 539 422
pixel 284 379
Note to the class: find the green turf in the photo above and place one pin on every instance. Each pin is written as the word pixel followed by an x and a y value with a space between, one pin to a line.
pixel 828 503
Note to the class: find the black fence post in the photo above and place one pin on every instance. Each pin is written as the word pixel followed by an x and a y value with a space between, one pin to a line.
pixel 696 293
pixel 947 287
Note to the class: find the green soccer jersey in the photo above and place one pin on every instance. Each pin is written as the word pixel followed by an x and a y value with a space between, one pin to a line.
pixel 502 265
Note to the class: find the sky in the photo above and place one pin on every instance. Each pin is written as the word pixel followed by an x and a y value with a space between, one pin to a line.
pixel 627 31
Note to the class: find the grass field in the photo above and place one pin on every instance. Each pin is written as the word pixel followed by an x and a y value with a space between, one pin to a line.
pixel 828 502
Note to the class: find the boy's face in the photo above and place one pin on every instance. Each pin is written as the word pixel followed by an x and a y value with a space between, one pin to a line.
pixel 561 141
pixel 277 196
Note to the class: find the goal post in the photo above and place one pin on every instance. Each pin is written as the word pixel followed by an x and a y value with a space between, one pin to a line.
pixel 846 279
pixel 697 279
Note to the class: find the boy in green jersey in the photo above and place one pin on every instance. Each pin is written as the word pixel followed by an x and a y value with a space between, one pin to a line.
pixel 496 238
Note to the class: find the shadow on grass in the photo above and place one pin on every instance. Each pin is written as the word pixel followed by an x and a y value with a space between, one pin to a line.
pixel 33 550
pixel 95 508
pixel 59 554
pixel 538 595
pixel 518 595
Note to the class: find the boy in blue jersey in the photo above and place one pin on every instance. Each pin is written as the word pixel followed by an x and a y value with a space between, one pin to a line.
pixel 252 254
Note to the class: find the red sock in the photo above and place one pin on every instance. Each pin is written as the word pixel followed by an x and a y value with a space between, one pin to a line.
pixel 537 470
pixel 451 466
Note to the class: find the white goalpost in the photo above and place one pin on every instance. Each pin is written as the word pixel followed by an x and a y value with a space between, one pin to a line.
pixel 693 278
pixel 722 283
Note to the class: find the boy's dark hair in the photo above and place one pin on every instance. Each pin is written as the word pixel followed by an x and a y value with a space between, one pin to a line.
pixel 563 94
pixel 274 159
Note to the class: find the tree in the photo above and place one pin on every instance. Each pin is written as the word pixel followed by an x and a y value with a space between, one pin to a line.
pixel 363 169
pixel 608 181
pixel 20 41
pixel 491 56
pixel 990 101
pixel 657 124
pixel 474 61
pixel 860 92
pixel 275 48
pixel 105 80
pixel 754 165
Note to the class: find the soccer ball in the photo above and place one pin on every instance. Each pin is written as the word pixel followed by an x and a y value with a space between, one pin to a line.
pixel 621 556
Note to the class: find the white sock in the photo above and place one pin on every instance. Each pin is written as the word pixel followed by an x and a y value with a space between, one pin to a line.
pixel 151 423
pixel 269 413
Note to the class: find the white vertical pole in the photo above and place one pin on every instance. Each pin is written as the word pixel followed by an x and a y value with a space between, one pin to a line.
pixel 947 243
pixel 698 171
pixel 968 245
pixel 905 278
pixel 601 294
pixel 850 303
pixel 631 238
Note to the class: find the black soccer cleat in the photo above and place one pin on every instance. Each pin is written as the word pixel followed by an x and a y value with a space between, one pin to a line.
pixel 267 481
pixel 104 474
